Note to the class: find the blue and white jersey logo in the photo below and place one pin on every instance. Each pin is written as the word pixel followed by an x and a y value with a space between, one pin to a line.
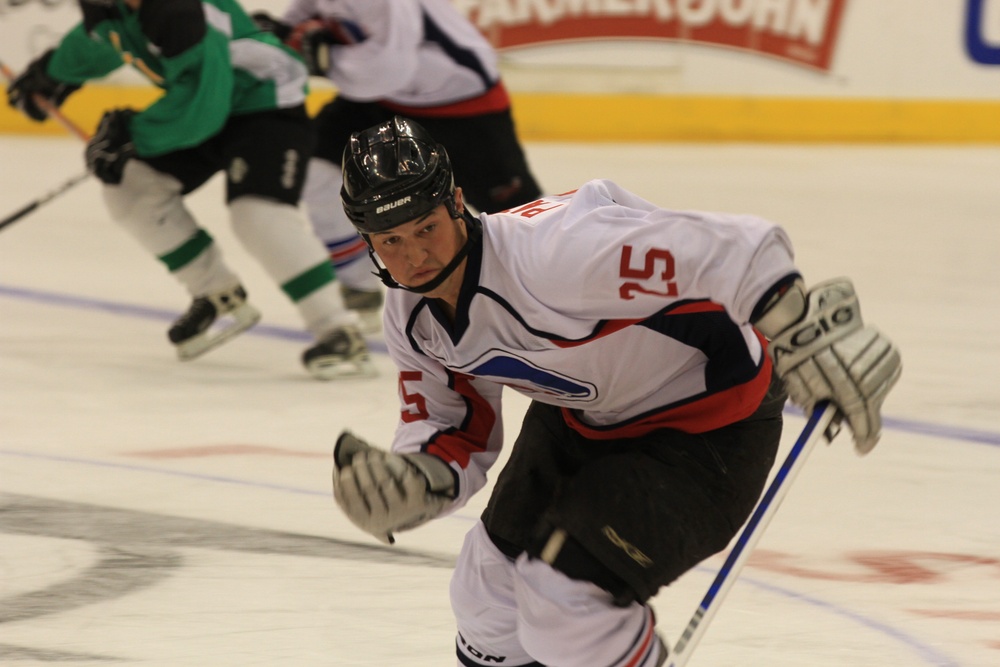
pixel 521 375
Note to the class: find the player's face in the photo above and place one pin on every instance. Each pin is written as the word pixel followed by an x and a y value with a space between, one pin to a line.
pixel 415 252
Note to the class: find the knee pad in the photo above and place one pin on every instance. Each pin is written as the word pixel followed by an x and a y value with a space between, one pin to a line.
pixel 142 191
pixel 149 205
pixel 574 623
pixel 276 236
pixel 482 599
pixel 279 239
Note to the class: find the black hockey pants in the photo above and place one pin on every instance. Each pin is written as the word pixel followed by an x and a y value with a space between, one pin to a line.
pixel 640 512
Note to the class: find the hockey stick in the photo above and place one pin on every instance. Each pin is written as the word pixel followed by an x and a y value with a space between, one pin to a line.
pixel 73 128
pixel 20 213
pixel 820 425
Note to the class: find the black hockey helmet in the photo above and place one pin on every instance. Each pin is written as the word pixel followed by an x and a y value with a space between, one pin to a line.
pixel 95 11
pixel 394 172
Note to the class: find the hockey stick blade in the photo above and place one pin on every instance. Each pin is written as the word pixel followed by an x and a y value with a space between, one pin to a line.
pixel 822 424
pixel 28 208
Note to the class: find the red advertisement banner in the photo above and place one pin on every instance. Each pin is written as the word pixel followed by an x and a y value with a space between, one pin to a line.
pixel 802 32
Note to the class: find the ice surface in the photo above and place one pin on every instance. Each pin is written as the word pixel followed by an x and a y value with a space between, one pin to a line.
pixel 154 512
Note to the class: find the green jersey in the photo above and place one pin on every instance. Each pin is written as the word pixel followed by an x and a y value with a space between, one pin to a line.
pixel 208 57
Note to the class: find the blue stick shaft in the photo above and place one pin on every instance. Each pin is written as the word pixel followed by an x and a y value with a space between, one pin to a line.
pixel 813 432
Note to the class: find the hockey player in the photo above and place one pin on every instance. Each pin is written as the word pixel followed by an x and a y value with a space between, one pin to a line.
pixel 233 101
pixel 641 336
pixel 419 58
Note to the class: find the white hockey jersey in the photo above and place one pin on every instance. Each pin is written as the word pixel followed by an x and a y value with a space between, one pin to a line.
pixel 411 53
pixel 628 316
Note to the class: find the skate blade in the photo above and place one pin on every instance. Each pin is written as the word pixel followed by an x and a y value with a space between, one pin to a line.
pixel 342 370
pixel 226 327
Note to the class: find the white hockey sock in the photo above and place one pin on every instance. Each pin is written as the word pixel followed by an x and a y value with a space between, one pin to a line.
pixel 482 598
pixel 277 237
pixel 149 206
pixel 348 251
pixel 566 622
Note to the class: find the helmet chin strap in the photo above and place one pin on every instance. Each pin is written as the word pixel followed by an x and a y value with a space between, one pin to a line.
pixel 474 234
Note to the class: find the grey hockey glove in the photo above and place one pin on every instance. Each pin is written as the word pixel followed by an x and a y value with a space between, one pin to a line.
pixel 35 80
pixel 111 146
pixel 381 492
pixel 822 350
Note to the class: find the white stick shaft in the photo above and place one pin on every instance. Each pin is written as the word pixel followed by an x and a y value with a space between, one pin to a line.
pixel 813 432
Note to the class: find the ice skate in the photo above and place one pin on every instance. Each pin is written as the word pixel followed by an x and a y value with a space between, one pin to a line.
pixel 367 304
pixel 342 353
pixel 193 332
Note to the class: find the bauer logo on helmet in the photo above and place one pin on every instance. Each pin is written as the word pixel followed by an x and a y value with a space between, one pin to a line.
pixel 393 204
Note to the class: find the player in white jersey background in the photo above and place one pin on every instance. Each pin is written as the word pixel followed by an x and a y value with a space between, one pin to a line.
pixel 656 346
pixel 420 58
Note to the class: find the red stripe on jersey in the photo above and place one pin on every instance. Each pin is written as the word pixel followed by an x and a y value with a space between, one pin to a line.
pixel 458 445
pixel 341 34
pixel 612 326
pixel 605 329
pixel 705 414
pixel 696 307
pixel 493 100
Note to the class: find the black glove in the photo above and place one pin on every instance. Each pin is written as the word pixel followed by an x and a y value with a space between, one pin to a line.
pixel 111 146
pixel 35 80
pixel 268 23
pixel 312 40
